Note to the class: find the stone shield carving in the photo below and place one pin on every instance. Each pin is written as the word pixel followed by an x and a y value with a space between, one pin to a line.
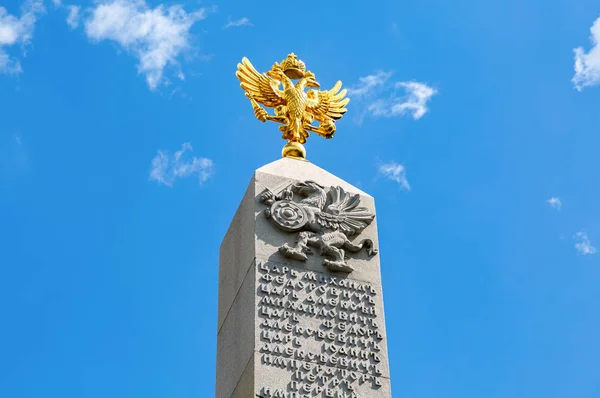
pixel 326 219
pixel 288 215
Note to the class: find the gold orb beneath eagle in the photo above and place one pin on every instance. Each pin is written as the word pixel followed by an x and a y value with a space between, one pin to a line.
pixel 293 150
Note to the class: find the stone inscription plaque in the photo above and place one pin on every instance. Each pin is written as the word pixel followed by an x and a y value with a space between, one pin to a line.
pixel 318 335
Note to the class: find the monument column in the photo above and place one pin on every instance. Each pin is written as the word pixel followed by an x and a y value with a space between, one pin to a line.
pixel 300 299
pixel 295 327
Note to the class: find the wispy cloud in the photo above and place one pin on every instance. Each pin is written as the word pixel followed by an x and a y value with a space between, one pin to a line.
pixel 413 101
pixel 156 36
pixel 74 14
pixel 15 30
pixel 73 17
pixel 368 85
pixel 382 98
pixel 587 65
pixel 166 168
pixel 238 22
pixel 395 172
pixel 555 203
pixel 583 244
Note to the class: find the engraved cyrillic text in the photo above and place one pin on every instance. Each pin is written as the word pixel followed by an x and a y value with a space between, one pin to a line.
pixel 322 330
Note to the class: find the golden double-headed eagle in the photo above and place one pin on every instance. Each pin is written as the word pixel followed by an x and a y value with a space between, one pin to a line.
pixel 294 108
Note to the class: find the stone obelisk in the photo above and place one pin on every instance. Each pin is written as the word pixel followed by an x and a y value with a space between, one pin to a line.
pixel 300 299
pixel 300 327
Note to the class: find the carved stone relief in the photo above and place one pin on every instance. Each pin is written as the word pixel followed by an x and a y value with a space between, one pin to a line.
pixel 326 219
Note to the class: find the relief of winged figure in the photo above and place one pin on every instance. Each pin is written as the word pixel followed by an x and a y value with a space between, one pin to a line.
pixel 294 108
pixel 325 219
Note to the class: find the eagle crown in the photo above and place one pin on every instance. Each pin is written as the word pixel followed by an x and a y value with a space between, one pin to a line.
pixel 293 67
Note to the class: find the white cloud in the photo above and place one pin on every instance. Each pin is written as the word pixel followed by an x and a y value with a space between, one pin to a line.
pixel 587 66
pixel 73 17
pixel 555 203
pixel 156 36
pixel 367 85
pixel 166 169
pixel 382 98
pixel 413 101
pixel 15 30
pixel 395 172
pixel 583 244
pixel 238 22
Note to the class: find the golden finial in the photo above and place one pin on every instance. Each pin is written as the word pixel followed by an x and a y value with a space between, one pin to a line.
pixel 294 108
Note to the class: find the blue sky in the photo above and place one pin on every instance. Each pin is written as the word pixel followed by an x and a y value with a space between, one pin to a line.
pixel 126 145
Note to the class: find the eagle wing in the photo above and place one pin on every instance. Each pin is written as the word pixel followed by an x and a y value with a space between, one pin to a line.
pixel 328 104
pixel 341 212
pixel 260 86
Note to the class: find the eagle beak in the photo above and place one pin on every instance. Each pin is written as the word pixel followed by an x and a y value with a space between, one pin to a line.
pixel 313 83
